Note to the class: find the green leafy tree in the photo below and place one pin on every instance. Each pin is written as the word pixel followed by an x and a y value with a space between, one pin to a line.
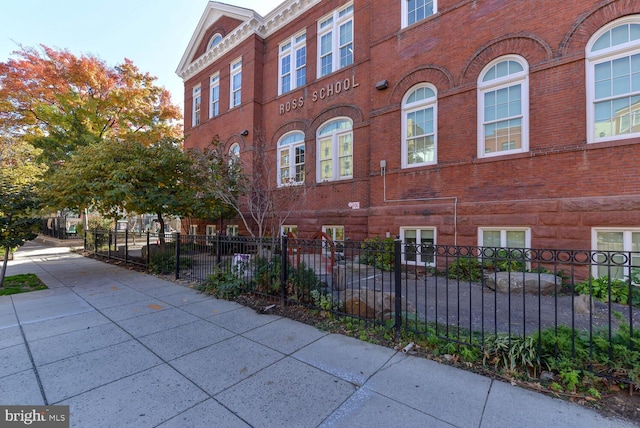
pixel 114 177
pixel 19 221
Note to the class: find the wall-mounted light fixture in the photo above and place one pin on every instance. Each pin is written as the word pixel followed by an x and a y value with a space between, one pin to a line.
pixel 383 84
pixel 245 133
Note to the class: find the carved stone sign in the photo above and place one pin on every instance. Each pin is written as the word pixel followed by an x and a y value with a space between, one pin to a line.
pixel 321 94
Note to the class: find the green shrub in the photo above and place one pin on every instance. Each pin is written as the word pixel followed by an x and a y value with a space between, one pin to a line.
pixel 465 268
pixel 224 283
pixel 164 261
pixel 599 289
pixel 378 252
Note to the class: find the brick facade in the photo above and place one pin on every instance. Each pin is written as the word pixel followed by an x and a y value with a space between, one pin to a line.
pixel 559 189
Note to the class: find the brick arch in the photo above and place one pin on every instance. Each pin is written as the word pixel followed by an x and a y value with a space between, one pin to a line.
pixel 575 41
pixel 207 36
pixel 529 46
pixel 434 74
pixel 343 110
pixel 235 138
pixel 294 125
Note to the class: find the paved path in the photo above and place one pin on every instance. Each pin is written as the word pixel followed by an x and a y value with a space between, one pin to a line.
pixel 124 349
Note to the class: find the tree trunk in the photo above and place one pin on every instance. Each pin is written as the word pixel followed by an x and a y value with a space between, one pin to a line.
pixel 4 266
pixel 161 232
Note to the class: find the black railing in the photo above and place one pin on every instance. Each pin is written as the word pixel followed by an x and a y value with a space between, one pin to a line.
pixel 564 301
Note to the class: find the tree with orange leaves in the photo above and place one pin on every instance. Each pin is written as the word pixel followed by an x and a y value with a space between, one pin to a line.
pixel 57 102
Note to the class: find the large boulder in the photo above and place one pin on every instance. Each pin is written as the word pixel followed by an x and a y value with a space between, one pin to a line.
pixel 530 282
pixel 370 304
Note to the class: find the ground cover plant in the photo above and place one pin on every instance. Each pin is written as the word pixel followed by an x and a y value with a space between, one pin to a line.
pixel 22 283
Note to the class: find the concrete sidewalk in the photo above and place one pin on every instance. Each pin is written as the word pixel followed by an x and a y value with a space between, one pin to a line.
pixel 126 349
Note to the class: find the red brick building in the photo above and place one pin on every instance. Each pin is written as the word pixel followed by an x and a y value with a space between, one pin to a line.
pixel 470 122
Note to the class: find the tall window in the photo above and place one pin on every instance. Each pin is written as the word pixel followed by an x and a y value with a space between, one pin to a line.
pixel 418 245
pixel 197 101
pixel 613 81
pixel 417 10
pixel 503 107
pixel 291 159
pixel 236 83
pixel 335 46
pixel 419 126
pixel 615 259
pixel 335 150
pixel 293 63
pixel 234 153
pixel 214 95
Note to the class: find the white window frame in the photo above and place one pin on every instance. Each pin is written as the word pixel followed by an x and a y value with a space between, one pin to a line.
pixel 214 40
pixel 405 13
pixel 409 108
pixel 235 71
pixel 600 56
pixel 418 230
pixel 519 78
pixel 232 230
pixel 503 235
pixel 193 229
pixel 214 95
pixel 335 157
pixel 627 244
pixel 330 25
pixel 291 49
pixel 333 230
pixel 286 228
pixel 196 105
pixel 210 233
pixel 289 149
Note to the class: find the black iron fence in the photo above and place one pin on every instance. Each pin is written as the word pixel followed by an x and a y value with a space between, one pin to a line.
pixel 60 227
pixel 562 304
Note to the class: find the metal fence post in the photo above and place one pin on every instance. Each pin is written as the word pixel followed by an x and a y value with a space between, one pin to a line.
pixel 283 266
pixel 177 255
pixel 109 246
pixel 126 245
pixel 218 250
pixel 148 252
pixel 397 270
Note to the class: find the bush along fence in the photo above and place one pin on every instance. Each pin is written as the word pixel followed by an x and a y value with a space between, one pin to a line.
pixel 563 311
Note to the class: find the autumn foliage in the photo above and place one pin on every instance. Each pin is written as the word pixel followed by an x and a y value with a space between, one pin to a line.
pixel 58 101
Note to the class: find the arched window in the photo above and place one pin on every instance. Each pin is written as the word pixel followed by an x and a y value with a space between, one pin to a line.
pixel 613 81
pixel 215 39
pixel 419 126
pixel 234 153
pixel 335 150
pixel 503 107
pixel 291 159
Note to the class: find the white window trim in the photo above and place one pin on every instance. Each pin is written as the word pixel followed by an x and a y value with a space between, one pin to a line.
pixel 210 233
pixel 418 229
pixel 405 13
pixel 291 52
pixel 214 82
pixel 292 154
pixel 523 79
pixel 421 105
pixel 626 243
pixel 335 158
pixel 210 45
pixel 235 68
pixel 196 107
pixel 503 234
pixel 609 54
pixel 334 28
pixel 232 230
pixel 286 227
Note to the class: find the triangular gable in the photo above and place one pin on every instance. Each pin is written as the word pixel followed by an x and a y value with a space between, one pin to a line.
pixel 212 13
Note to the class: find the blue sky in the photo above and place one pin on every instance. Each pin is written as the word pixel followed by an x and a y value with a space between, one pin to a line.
pixel 152 33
